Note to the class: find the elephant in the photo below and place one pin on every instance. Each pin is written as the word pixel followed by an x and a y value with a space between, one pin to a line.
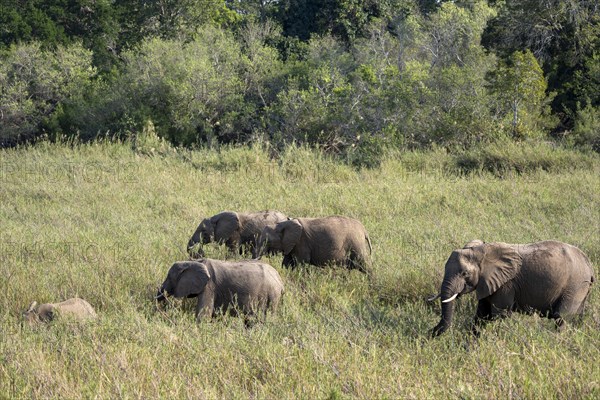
pixel 473 243
pixel 236 230
pixel 550 278
pixel 318 241
pixel 76 308
pixel 225 286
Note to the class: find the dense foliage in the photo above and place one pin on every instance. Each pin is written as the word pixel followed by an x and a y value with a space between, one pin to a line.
pixel 353 78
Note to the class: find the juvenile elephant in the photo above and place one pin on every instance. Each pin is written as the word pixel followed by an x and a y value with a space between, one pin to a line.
pixel 236 230
pixel 318 241
pixel 549 277
pixel 247 285
pixel 75 308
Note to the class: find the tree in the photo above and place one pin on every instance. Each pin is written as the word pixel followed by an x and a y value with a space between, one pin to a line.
pixel 169 19
pixel 562 34
pixel 344 19
pixel 520 88
pixel 314 106
pixel 193 92
pixel 458 109
pixel 260 10
pixel 62 22
pixel 36 86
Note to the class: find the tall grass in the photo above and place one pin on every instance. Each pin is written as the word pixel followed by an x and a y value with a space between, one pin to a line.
pixel 105 222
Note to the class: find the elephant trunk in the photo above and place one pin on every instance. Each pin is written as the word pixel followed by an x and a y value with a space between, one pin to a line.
pixel 259 248
pixel 160 296
pixel 448 294
pixel 194 240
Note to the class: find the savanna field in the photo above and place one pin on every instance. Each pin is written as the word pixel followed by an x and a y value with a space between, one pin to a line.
pixel 105 221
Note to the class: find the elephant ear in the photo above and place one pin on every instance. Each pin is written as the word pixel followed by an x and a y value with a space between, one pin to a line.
pixel 32 307
pixel 290 232
pixel 46 312
pixel 191 280
pixel 500 264
pixel 473 243
pixel 224 224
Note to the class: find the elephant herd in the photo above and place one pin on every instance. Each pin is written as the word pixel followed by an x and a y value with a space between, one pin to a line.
pixel 549 278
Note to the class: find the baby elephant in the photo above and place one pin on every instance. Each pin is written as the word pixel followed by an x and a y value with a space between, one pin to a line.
pixel 550 278
pixel 75 308
pixel 318 241
pixel 236 230
pixel 247 285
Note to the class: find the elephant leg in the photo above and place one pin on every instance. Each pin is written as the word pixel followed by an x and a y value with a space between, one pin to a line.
pixel 559 322
pixel 250 316
pixel 489 311
pixel 555 314
pixel 356 262
pixel 482 316
pixel 249 320
pixel 499 312
pixel 205 306
pixel 289 261
pixel 573 301
pixel 502 302
pixel 581 309
pixel 233 247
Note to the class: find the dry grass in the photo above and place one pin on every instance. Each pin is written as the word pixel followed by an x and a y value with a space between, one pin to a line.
pixel 104 222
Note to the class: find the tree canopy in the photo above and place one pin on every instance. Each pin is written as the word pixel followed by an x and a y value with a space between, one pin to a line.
pixel 352 77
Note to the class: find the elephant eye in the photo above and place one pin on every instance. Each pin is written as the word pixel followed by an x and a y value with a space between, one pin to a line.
pixel 464 274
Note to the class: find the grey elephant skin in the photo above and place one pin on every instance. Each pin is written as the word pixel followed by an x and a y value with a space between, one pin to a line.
pixel 249 286
pixel 73 308
pixel 319 241
pixel 550 278
pixel 236 230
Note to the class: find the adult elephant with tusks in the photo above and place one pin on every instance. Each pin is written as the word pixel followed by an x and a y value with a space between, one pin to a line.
pixel 236 230
pixel 318 241
pixel 549 277
pixel 248 286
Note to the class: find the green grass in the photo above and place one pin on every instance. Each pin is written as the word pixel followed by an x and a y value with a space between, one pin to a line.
pixel 105 222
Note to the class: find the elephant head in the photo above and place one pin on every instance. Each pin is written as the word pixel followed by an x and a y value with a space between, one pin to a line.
pixel 185 279
pixel 282 238
pixel 42 313
pixel 39 313
pixel 483 268
pixel 218 228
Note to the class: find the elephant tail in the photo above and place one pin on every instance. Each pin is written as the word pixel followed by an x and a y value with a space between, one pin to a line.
pixel 369 243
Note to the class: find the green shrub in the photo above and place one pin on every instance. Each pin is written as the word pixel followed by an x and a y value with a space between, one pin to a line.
pixel 37 86
pixel 192 92
pixel 587 127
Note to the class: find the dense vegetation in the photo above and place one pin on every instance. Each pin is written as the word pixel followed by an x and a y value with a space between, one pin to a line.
pixel 351 77
pixel 105 221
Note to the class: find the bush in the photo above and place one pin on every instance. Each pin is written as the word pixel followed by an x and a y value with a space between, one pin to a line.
pixel 587 127
pixel 37 86
pixel 192 92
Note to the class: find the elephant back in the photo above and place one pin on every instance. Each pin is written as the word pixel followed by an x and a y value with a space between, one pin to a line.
pixel 252 224
pixel 335 238
pixel 77 307
pixel 245 282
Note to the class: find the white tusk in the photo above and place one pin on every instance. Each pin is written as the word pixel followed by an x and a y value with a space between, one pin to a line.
pixel 432 298
pixel 450 299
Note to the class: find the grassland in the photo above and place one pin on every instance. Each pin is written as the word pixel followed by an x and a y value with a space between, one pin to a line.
pixel 105 221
